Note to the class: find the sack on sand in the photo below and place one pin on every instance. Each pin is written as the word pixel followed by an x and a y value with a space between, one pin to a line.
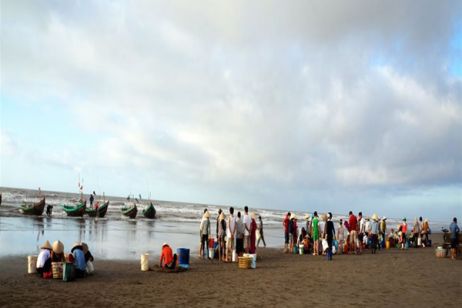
pixel 90 268
pixel 324 245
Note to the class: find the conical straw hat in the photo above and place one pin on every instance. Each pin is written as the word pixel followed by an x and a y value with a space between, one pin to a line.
pixel 58 247
pixel 46 245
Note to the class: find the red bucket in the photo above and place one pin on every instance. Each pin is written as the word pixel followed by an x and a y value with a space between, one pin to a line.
pixel 211 243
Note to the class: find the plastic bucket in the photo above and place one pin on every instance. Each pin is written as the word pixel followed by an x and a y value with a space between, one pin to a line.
pixel 57 269
pixel 440 252
pixel 300 249
pixel 183 257
pixel 145 262
pixel 68 271
pixel 387 244
pixel 31 264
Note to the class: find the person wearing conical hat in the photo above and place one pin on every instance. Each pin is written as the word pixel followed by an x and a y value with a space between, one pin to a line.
pixel 374 233
pixel 43 264
pixel 57 253
pixel 88 258
pixel 79 260
pixel 204 231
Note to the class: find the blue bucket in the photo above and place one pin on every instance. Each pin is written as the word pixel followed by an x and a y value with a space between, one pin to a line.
pixel 183 257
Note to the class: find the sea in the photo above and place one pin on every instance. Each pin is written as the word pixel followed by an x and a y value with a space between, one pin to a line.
pixel 116 236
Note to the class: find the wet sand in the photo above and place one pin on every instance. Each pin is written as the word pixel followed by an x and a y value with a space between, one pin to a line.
pixel 390 278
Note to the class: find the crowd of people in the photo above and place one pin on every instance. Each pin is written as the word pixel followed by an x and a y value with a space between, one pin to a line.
pixel 80 257
pixel 236 234
pixel 320 236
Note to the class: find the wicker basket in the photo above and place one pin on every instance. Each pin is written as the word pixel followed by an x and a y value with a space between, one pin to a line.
pixel 244 262
pixel 57 269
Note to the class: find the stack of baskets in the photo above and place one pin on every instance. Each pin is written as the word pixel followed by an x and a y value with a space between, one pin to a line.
pixel 244 262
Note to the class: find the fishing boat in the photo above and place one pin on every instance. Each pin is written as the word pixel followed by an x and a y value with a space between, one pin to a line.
pixel 97 211
pixel 130 211
pixel 75 210
pixel 102 210
pixel 91 211
pixel 33 208
pixel 149 211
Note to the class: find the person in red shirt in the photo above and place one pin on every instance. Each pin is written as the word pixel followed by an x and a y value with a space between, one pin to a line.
pixel 253 231
pixel 353 224
pixel 285 223
pixel 167 258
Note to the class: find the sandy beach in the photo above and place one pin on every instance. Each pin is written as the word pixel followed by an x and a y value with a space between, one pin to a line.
pixel 390 278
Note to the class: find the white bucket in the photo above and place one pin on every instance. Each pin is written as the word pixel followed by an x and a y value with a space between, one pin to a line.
pixel 145 262
pixel 31 264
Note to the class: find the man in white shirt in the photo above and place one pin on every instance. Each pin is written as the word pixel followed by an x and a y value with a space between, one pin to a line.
pixel 247 222
pixel 230 234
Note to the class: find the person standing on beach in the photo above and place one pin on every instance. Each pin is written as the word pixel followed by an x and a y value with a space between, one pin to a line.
pixel 454 236
pixel 293 229
pixel 315 233
pixel 240 230
pixel 403 228
pixel 329 235
pixel 230 234
pixel 383 231
pixel 204 234
pixel 253 234
pixel 308 223
pixel 260 229
pixel 221 236
pixel 425 232
pixel 341 236
pixel 285 224
pixel 374 233
pixel 361 229
pixel 353 224
pixel 416 233
pixel 247 222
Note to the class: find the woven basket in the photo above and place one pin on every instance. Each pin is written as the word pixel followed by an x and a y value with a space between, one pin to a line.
pixel 57 269
pixel 244 262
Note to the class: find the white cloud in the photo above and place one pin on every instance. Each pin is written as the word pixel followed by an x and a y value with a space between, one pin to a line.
pixel 243 95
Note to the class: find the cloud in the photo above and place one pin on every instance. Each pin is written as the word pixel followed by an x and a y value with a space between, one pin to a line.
pixel 250 97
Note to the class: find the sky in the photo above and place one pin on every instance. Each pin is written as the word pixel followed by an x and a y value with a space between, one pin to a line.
pixel 301 105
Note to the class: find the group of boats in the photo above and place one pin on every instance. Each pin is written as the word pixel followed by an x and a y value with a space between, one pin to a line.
pixel 80 209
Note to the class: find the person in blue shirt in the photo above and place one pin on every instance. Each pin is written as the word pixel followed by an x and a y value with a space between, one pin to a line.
pixel 79 260
pixel 454 235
